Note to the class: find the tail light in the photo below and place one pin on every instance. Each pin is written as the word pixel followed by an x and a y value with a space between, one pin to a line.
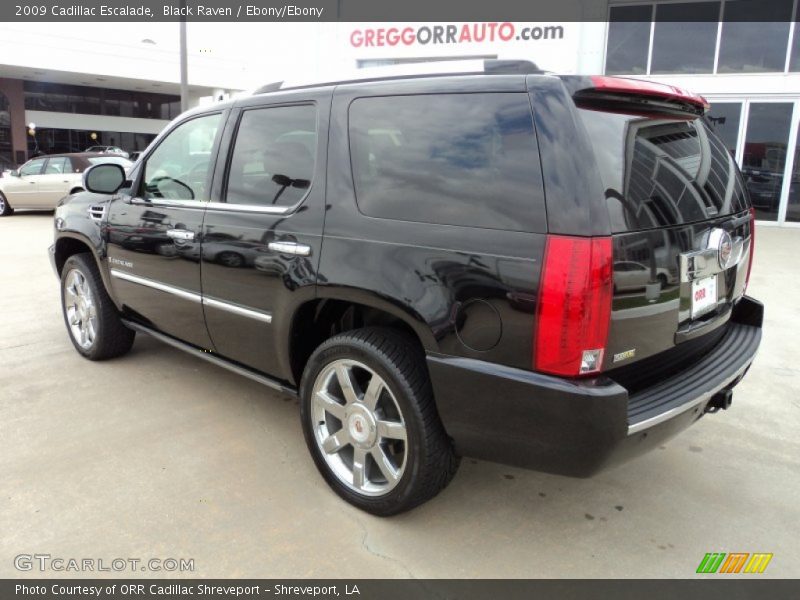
pixel 752 246
pixel 574 305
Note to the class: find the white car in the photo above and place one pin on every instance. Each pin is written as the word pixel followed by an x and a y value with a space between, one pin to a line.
pixel 631 275
pixel 41 182
pixel 108 150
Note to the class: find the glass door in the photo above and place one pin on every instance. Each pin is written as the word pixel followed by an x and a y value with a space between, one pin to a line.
pixel 762 136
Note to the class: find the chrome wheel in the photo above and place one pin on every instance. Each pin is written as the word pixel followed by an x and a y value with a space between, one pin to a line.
pixel 80 309
pixel 2 204
pixel 358 427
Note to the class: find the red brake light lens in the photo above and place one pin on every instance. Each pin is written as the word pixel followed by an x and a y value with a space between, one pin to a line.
pixel 574 310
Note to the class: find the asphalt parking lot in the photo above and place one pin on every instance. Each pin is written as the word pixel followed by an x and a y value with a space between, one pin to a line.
pixel 159 455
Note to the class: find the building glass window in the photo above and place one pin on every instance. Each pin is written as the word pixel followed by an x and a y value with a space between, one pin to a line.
pixel 628 39
pixel 685 37
pixel 56 97
pixel 58 141
pixel 6 158
pixel 755 34
pixel 794 59
pixel 724 119
pixel 764 159
pixel 793 208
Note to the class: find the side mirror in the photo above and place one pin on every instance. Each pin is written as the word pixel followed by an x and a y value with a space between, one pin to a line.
pixel 104 178
pixel 13 173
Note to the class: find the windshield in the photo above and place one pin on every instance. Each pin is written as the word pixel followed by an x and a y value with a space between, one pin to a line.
pixel 659 172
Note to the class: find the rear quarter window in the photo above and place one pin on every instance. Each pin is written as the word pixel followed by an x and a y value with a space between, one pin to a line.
pixel 661 172
pixel 453 159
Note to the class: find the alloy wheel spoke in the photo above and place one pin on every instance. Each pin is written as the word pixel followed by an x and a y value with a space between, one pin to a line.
pixel 343 375
pixel 90 331
pixel 329 404
pixel 359 467
pixel 384 464
pixel 391 430
pixel 373 392
pixel 335 442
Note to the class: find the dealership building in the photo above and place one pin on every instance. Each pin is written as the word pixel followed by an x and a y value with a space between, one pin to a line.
pixel 749 71
pixel 82 85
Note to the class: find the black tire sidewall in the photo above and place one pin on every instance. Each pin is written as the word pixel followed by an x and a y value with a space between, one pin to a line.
pixel 402 494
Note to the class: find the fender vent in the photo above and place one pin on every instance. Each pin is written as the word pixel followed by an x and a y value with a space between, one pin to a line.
pixel 96 212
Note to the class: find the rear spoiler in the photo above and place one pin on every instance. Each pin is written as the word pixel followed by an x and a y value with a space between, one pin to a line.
pixel 634 96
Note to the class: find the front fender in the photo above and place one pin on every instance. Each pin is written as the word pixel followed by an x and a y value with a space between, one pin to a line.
pixel 76 231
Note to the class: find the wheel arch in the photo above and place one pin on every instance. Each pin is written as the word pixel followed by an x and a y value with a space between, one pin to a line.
pixel 71 243
pixel 324 316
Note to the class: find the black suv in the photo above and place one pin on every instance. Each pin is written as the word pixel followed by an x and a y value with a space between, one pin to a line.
pixel 438 266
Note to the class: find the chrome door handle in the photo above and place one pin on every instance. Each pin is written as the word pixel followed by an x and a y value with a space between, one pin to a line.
pixel 180 234
pixel 290 248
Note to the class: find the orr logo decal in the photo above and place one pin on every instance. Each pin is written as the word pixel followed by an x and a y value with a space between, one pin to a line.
pixel 734 562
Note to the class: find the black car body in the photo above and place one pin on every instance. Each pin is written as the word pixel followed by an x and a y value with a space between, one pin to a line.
pixel 478 214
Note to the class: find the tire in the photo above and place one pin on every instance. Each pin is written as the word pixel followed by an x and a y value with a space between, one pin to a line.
pixel 384 454
pixel 230 259
pixel 5 207
pixel 662 280
pixel 92 321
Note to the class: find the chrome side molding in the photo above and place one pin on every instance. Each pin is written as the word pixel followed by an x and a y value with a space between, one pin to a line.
pixel 242 311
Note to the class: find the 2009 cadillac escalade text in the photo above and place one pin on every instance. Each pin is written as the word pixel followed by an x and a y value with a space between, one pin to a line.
pixel 546 271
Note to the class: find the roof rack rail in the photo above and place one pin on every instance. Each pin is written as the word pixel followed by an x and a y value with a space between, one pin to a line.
pixel 489 66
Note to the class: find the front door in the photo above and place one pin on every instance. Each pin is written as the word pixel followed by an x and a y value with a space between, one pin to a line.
pixel 22 191
pixel 261 241
pixel 154 232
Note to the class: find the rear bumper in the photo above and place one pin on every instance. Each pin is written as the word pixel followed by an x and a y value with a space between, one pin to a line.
pixel 577 427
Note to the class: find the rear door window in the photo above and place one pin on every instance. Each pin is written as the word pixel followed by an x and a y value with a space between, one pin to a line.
pixel 57 166
pixel 662 172
pixel 273 157
pixel 454 159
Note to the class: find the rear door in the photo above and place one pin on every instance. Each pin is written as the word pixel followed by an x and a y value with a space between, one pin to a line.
pixel 262 235
pixel 678 208
pixel 56 181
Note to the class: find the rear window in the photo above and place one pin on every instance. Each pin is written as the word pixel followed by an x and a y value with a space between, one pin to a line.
pixel 113 160
pixel 660 172
pixel 454 159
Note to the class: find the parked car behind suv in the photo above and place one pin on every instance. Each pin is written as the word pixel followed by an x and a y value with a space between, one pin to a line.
pixel 41 182
pixel 109 150
pixel 435 275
